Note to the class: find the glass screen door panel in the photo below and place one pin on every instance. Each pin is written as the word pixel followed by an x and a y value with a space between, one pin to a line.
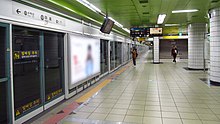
pixel 112 55
pixel 104 56
pixel 53 61
pixel 118 56
pixel 3 78
pixel 26 69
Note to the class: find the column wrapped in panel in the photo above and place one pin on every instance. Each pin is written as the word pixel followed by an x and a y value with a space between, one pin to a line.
pixel 196 42
pixel 215 46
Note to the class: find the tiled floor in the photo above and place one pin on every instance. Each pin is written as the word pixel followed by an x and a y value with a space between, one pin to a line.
pixel 153 94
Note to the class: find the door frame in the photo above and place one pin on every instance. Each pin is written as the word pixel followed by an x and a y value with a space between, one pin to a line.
pixel 44 105
pixel 7 78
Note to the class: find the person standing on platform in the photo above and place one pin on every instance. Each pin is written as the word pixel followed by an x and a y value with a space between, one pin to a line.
pixel 174 53
pixel 134 55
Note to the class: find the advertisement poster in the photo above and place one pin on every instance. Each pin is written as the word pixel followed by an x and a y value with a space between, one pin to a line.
pixel 84 57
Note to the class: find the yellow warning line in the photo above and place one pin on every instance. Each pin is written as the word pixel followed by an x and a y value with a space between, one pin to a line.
pixel 97 88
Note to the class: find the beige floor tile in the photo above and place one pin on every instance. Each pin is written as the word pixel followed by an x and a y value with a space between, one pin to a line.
pixel 97 116
pixel 168 109
pixel 152 114
pixel 186 109
pixel 189 116
pixel 170 115
pixel 211 122
pixel 216 110
pixel 167 104
pixel 133 119
pixel 135 112
pixel 203 111
pixel 121 106
pixel 137 103
pixel 119 111
pixel 199 106
pixel 171 121
pixel 87 109
pixel 208 117
pixel 152 108
pixel 180 100
pixel 138 107
pixel 106 105
pixel 102 110
pixel 185 121
pixel 153 99
pixel 96 100
pixel 113 117
pixel 150 103
pixel 152 120
pixel 183 105
pixel 109 101
pixel 218 116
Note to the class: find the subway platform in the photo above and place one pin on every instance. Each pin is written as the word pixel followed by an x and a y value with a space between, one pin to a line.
pixel 149 93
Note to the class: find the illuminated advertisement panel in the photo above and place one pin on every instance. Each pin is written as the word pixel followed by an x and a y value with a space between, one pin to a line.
pixel 84 58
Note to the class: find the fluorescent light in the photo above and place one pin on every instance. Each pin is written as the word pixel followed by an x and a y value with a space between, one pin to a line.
pixel 161 18
pixel 184 11
pixel 168 25
pixel 90 6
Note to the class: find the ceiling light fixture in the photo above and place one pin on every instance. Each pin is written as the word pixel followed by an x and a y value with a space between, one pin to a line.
pixel 185 11
pixel 169 25
pixel 90 6
pixel 161 18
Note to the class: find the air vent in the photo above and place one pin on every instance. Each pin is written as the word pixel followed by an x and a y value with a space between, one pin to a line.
pixel 143 1
pixel 144 13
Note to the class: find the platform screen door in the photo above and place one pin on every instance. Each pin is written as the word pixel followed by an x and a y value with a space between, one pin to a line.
pixel 4 75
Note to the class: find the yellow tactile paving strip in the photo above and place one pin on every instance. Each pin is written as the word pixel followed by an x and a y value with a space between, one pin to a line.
pixel 93 91
pixel 89 94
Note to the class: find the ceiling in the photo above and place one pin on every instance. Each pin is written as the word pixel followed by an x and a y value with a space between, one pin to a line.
pixel 132 13
pixel 145 12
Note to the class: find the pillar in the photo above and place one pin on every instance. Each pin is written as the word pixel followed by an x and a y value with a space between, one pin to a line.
pixel 215 46
pixel 196 40
pixel 156 59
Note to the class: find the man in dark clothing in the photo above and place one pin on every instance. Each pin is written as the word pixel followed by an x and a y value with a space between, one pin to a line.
pixel 134 55
pixel 174 53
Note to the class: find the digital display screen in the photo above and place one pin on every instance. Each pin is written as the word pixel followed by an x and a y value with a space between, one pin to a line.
pixel 139 32
pixel 84 58
pixel 107 26
pixel 155 30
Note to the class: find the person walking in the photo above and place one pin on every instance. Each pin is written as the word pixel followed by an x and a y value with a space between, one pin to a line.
pixel 134 55
pixel 174 53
